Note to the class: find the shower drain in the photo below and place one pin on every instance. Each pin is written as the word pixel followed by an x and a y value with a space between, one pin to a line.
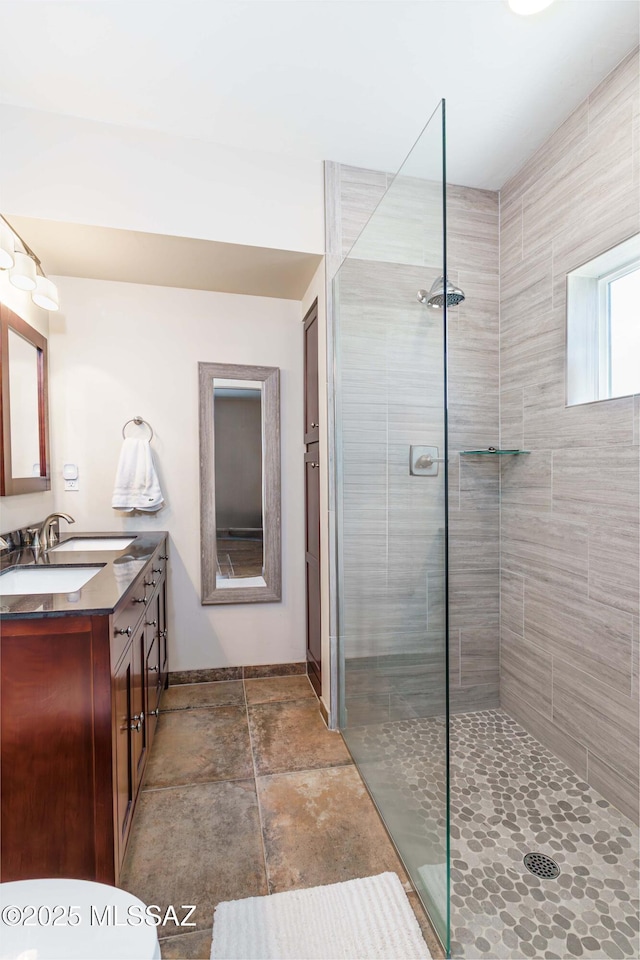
pixel 541 865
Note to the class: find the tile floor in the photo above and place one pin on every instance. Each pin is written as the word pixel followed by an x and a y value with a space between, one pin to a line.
pixel 247 793
pixel 509 796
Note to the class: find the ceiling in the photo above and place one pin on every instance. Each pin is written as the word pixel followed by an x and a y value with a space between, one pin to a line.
pixel 350 81
pixel 104 253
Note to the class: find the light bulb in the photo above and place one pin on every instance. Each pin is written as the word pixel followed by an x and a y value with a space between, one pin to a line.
pixel 526 7
pixel 45 294
pixel 23 273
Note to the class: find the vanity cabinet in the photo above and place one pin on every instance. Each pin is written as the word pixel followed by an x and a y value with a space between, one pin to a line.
pixel 80 702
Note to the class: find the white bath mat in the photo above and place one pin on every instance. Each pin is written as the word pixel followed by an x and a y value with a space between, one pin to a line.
pixel 356 920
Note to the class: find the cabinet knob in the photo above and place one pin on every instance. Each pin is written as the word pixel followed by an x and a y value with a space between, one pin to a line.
pixel 163 556
pixel 163 634
pixel 150 583
pixel 151 623
pixel 156 570
pixel 154 713
pixel 136 722
pixel 140 599
pixel 314 425
pixel 125 630
pixel 313 465
pixel 153 669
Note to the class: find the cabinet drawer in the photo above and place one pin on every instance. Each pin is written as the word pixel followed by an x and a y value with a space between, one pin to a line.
pixel 127 617
pixel 137 601
pixel 159 562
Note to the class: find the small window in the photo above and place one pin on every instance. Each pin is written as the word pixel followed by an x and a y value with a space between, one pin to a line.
pixel 603 326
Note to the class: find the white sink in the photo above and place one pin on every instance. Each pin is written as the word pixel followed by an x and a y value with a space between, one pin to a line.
pixel 29 580
pixel 93 543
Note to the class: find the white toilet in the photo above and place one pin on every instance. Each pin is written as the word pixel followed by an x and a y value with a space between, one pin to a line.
pixel 73 920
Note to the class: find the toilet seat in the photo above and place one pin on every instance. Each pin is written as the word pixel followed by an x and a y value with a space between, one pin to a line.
pixel 107 927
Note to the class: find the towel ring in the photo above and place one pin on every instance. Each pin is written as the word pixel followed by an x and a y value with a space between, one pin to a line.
pixel 138 422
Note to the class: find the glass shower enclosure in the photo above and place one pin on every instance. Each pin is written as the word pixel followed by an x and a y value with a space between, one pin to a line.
pixel 391 513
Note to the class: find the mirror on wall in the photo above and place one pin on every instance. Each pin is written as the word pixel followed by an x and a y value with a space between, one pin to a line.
pixel 240 483
pixel 24 416
pixel 603 326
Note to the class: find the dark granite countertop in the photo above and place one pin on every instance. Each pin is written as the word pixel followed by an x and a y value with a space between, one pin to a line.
pixel 101 595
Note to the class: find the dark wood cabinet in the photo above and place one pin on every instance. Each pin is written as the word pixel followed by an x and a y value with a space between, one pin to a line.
pixel 80 698
pixel 311 395
pixel 312 496
pixel 125 731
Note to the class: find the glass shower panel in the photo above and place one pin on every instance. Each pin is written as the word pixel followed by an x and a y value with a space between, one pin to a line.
pixel 390 353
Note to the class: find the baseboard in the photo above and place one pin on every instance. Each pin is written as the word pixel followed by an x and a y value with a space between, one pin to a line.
pixel 220 674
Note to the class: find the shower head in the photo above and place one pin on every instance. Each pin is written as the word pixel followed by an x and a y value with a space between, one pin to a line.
pixel 435 296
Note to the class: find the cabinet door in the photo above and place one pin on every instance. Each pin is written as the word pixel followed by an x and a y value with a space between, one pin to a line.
pixel 138 705
pixel 125 735
pixel 312 564
pixel 152 674
pixel 311 402
pixel 163 632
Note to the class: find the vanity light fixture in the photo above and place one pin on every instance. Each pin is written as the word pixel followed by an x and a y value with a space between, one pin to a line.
pixel 527 7
pixel 23 272
pixel 45 294
pixel 7 246
pixel 25 269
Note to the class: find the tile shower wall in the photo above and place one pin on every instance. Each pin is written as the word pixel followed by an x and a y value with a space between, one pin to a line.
pixel 392 389
pixel 570 511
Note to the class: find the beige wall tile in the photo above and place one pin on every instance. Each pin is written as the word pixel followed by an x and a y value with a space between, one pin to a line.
pixel 512 602
pixel 511 418
pixel 562 141
pixel 608 492
pixel 525 672
pixel 552 736
pixel 549 424
pixel 621 86
pixel 594 637
pixel 544 548
pixel 479 656
pixel 526 481
pixel 606 724
pixel 581 184
pixel 620 791
pixel 474 597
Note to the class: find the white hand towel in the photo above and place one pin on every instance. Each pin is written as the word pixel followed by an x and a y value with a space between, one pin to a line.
pixel 137 486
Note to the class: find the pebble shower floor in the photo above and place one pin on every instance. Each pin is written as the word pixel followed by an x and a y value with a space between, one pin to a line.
pixel 510 797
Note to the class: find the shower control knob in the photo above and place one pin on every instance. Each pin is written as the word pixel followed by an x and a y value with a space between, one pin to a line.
pixel 426 460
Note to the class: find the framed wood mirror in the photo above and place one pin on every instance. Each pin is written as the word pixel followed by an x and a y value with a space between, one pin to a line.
pixel 24 413
pixel 240 483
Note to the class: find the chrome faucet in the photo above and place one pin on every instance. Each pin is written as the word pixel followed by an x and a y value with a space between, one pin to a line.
pixel 46 536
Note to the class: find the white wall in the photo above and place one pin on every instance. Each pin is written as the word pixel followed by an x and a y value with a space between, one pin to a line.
pixel 27 508
pixel 118 350
pixel 65 168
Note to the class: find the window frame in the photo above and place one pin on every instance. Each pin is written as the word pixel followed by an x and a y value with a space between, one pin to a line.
pixel 588 358
pixel 605 371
